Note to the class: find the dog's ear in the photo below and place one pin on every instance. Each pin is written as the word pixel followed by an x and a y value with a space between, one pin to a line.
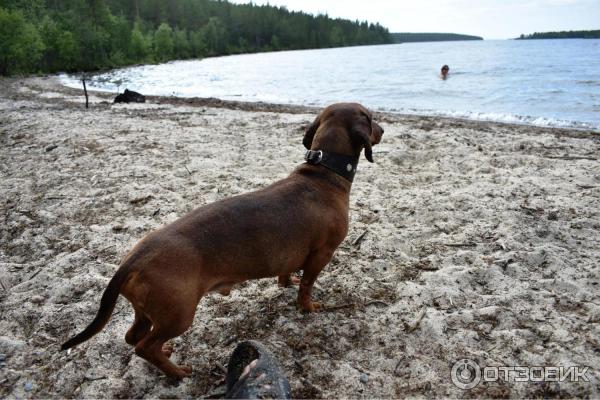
pixel 362 132
pixel 310 132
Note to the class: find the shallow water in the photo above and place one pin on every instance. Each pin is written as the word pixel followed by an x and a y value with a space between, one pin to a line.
pixel 539 82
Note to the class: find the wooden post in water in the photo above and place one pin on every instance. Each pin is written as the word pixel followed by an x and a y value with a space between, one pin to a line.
pixel 85 92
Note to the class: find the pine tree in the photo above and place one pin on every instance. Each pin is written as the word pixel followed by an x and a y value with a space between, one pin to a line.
pixel 163 42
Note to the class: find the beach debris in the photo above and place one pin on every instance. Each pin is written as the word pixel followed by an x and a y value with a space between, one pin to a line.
pixel 572 158
pixel 376 302
pixel 34 274
pixel 140 200
pixel 402 368
pixel 413 326
pixel 119 228
pixel 465 244
pixel 28 387
pixel 129 96
pixel 50 147
pixel 359 239
pixel 221 367
pixel 504 262
pixel 531 210
pixel 425 265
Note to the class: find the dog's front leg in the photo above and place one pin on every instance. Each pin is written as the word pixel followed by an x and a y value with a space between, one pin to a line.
pixel 311 269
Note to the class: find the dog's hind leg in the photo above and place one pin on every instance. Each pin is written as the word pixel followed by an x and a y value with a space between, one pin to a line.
pixel 286 280
pixel 140 328
pixel 170 322
pixel 151 348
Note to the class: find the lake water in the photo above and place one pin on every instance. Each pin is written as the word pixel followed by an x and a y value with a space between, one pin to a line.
pixel 539 82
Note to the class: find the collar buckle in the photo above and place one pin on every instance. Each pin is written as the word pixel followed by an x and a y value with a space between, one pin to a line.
pixel 313 156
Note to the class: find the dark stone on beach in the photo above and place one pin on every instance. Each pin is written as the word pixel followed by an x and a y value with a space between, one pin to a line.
pixel 129 96
pixel 364 378
pixel 253 373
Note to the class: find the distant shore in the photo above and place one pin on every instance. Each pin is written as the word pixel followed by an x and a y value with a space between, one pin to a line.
pixel 413 37
pixel 467 239
pixel 590 34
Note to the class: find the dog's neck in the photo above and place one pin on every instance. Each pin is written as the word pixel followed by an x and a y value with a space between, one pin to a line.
pixel 343 165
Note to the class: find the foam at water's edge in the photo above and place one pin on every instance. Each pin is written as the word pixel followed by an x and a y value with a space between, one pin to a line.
pixel 503 117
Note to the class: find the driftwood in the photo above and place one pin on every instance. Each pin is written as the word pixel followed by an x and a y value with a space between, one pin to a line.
pixel 571 158
pixel 466 244
pixel 357 241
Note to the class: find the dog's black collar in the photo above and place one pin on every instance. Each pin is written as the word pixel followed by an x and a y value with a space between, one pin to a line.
pixel 343 165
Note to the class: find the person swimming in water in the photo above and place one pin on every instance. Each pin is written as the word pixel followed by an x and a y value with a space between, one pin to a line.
pixel 444 72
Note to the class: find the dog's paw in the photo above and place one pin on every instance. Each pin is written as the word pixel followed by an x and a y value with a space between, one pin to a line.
pixel 167 349
pixel 187 369
pixel 183 371
pixel 311 307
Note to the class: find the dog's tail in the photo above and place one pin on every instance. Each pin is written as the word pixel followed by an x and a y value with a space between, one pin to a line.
pixel 107 305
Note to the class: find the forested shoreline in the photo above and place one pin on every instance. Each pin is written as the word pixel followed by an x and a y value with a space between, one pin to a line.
pixel 40 36
pixel 408 37
pixel 595 34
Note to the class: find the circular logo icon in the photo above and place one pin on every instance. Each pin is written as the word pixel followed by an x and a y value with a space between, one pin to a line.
pixel 465 374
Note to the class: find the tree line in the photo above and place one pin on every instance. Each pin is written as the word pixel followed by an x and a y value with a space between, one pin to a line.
pixel 405 37
pixel 87 35
pixel 563 35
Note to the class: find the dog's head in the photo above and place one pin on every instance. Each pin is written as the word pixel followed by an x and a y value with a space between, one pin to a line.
pixel 344 128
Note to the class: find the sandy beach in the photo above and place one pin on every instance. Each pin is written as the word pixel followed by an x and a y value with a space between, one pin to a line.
pixel 467 240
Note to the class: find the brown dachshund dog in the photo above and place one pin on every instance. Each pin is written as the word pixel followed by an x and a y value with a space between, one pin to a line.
pixel 294 224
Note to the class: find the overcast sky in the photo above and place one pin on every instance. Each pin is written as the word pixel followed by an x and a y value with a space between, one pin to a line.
pixel 492 19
